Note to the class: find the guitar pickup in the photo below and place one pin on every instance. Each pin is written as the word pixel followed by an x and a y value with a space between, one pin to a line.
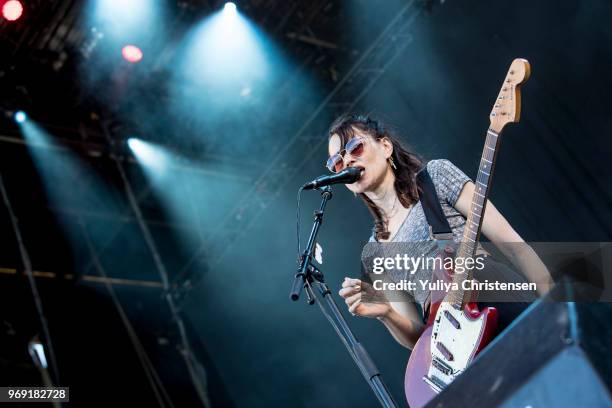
pixel 452 319
pixel 441 366
pixel 447 354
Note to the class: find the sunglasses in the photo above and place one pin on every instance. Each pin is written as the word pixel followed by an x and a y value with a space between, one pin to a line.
pixel 354 147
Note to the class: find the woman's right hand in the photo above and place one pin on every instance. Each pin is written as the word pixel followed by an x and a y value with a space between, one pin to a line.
pixel 351 291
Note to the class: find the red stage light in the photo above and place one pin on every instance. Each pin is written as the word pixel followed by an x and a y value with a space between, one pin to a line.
pixel 12 10
pixel 131 53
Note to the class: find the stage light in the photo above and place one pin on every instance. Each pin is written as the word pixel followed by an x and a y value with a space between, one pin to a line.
pixel 20 116
pixel 134 144
pixel 153 157
pixel 37 352
pixel 229 8
pixel 225 53
pixel 121 19
pixel 131 53
pixel 12 10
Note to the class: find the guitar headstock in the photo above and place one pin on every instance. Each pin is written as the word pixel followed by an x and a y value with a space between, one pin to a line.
pixel 507 107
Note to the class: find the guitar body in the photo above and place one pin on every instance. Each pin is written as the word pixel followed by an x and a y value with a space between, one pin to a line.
pixel 444 351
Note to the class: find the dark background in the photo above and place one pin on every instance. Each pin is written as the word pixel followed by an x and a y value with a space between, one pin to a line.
pixel 257 347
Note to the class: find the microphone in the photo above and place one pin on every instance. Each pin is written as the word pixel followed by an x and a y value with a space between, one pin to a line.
pixel 346 176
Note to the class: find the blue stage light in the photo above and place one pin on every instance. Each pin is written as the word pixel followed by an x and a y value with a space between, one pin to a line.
pixel 134 144
pixel 125 22
pixel 20 116
pixel 225 54
pixel 229 8
pixel 152 156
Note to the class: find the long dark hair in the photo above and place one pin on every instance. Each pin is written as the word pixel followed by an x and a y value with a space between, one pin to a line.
pixel 407 162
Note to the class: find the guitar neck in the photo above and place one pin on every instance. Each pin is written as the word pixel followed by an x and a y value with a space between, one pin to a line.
pixel 473 224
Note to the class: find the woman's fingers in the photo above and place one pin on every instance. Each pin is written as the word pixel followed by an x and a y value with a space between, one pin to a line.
pixel 352 299
pixel 351 292
pixel 349 287
pixel 344 292
pixel 354 306
pixel 348 282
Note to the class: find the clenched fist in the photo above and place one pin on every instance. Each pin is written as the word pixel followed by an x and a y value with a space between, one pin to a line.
pixel 352 291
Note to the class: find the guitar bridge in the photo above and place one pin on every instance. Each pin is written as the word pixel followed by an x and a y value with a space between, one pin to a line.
pixel 435 383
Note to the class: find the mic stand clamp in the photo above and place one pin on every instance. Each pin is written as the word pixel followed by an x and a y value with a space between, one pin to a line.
pixel 307 276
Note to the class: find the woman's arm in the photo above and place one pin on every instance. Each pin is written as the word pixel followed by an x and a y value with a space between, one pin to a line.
pixel 401 318
pixel 403 322
pixel 496 228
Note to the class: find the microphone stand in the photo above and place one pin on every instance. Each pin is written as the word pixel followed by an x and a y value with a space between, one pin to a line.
pixel 307 276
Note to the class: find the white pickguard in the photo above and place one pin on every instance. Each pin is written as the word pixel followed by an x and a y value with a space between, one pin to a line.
pixel 452 349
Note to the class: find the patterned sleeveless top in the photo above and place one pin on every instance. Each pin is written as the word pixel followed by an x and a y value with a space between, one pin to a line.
pixel 448 181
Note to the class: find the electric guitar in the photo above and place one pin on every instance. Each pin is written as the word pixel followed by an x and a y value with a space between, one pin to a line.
pixel 456 329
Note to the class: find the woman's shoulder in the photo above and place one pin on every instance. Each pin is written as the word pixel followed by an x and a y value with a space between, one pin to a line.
pixel 443 168
pixel 447 178
pixel 436 165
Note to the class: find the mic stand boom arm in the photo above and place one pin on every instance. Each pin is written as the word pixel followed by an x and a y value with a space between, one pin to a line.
pixel 307 276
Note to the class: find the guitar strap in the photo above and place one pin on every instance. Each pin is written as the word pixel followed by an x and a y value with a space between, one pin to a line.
pixel 439 229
